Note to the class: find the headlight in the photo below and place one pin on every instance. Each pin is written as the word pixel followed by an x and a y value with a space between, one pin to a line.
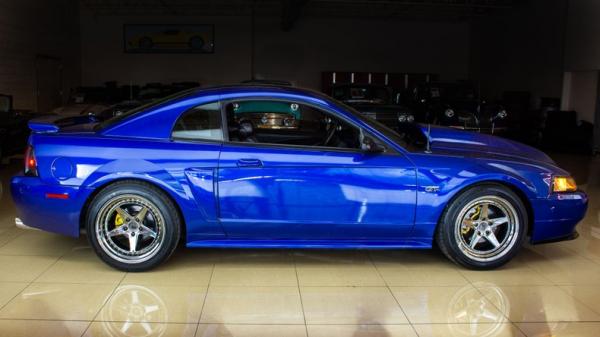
pixel 564 184
pixel 402 118
pixel 410 118
pixel 449 113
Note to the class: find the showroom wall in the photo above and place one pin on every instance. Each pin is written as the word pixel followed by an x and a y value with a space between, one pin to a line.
pixel 583 29
pixel 42 28
pixel 582 61
pixel 582 54
pixel 520 50
pixel 314 45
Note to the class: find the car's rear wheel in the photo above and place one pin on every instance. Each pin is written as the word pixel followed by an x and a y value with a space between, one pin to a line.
pixel 483 228
pixel 133 226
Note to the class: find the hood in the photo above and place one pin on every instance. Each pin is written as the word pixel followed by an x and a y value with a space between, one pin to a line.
pixel 472 143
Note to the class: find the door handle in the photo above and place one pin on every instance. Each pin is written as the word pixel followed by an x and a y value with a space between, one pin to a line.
pixel 249 163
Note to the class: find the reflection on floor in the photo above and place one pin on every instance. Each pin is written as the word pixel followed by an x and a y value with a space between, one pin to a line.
pixel 55 286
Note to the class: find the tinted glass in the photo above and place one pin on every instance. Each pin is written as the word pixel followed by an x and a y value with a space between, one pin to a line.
pixel 200 123
pixel 288 123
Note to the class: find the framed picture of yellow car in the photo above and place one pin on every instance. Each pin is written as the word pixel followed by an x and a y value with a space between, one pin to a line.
pixel 176 38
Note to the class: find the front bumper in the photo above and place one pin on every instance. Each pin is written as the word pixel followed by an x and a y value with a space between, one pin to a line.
pixel 556 217
pixel 37 208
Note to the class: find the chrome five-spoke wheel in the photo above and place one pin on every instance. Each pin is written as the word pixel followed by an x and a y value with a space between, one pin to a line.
pixel 130 228
pixel 486 228
pixel 133 225
pixel 483 227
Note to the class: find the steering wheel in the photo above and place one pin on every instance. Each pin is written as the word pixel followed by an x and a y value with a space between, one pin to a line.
pixel 333 127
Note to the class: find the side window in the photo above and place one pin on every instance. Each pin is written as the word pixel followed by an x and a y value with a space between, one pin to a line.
pixel 288 123
pixel 200 123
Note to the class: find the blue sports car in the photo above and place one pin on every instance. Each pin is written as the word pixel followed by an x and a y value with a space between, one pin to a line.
pixel 185 168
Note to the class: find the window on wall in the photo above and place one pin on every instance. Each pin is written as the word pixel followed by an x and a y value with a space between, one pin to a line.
pixel 288 123
pixel 200 123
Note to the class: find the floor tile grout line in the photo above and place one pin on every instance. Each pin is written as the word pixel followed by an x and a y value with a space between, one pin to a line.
pixel 40 275
pixel 300 293
pixel 212 272
pixel 300 324
pixel 506 315
pixel 518 328
pixel 576 299
pixel 391 292
pixel 21 232
pixel 531 249
pixel 105 302
pixel 580 255
pixel 35 278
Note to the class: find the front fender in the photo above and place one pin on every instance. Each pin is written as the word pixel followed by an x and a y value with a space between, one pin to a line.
pixel 437 187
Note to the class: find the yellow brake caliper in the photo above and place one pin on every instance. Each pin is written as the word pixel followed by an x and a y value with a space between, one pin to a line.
pixel 468 224
pixel 118 220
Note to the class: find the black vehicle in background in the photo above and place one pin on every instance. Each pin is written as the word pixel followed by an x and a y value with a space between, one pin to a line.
pixel 13 127
pixel 457 105
pixel 375 101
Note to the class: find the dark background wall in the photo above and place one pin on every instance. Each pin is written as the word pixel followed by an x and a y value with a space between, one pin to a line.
pixel 300 55
pixel 521 50
pixel 42 28
pixel 527 47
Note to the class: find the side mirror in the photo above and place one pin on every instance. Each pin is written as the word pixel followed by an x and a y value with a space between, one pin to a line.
pixel 367 144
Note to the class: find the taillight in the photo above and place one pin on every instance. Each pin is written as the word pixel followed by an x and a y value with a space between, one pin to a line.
pixel 30 162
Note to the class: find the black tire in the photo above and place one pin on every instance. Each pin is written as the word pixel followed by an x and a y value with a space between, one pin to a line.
pixel 161 205
pixel 446 235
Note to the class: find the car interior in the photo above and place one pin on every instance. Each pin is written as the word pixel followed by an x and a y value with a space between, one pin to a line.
pixel 315 128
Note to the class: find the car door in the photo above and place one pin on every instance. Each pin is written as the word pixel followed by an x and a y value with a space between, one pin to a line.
pixel 281 191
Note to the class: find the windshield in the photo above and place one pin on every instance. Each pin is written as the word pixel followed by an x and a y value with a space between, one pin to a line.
pixel 127 114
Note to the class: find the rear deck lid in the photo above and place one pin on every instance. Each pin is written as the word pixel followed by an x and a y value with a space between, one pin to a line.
pixel 44 124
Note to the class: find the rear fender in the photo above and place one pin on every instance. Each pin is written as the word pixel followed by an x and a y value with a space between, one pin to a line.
pixel 194 215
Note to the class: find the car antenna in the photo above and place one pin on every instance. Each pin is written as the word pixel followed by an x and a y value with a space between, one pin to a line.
pixel 428 145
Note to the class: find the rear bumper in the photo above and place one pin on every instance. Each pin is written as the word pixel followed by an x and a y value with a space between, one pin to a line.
pixel 556 216
pixel 19 223
pixel 38 206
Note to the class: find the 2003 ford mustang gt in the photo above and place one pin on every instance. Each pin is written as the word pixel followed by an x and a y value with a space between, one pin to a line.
pixel 186 168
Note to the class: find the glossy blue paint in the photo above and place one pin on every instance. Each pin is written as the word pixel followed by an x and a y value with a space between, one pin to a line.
pixel 255 195
pixel 315 194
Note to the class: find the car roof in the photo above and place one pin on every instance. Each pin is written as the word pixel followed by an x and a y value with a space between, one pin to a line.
pixel 158 119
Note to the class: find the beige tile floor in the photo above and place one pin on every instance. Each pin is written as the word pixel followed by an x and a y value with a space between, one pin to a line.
pixel 55 286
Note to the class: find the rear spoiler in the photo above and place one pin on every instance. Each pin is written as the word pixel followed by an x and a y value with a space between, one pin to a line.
pixel 44 124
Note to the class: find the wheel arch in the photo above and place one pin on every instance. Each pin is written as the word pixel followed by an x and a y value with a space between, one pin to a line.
pixel 498 182
pixel 105 184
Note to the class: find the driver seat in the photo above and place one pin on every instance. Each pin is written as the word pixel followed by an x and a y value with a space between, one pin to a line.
pixel 239 132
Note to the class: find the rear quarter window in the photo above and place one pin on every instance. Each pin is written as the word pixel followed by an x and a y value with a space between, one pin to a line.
pixel 200 123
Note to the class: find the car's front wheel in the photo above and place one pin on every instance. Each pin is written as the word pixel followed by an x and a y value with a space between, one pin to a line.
pixel 483 228
pixel 132 226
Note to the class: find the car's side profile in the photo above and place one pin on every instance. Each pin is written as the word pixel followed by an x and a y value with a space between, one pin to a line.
pixel 184 168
